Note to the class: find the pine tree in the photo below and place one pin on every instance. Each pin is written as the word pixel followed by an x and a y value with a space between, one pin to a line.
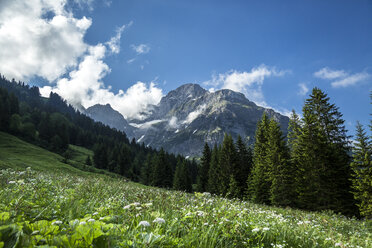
pixel 244 166
pixel 162 174
pixel 88 161
pixel 323 160
pixel 294 131
pixel 259 181
pixel 182 179
pixel 202 180
pixel 213 173
pixel 228 164
pixel 281 172
pixel 362 172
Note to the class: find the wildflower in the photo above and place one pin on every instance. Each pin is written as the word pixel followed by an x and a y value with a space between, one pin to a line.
pixel 127 206
pixel 265 229
pixel 136 204
pixel 148 204
pixel 144 223
pixel 12 182
pixel 91 220
pixel 338 244
pixel 83 223
pixel 159 220
pixel 28 168
pixel 256 229
pixel 328 239
pixel 95 213
pixel 57 222
pixel 205 224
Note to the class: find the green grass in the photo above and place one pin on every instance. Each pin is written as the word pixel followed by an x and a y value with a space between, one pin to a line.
pixel 51 204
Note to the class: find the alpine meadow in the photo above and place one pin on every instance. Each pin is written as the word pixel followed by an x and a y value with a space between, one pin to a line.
pixel 185 123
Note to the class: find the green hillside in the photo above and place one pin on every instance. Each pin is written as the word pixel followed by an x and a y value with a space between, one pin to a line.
pixel 18 154
pixel 52 203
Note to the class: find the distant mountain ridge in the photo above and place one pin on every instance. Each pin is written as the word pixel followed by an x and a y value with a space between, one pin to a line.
pixel 189 116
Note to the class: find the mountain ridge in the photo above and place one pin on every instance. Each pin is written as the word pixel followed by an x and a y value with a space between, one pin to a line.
pixel 189 116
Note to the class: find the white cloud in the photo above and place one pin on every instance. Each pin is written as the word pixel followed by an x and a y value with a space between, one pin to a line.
pixel 343 79
pixel 249 83
pixel 351 80
pixel 141 48
pixel 193 115
pixel 173 122
pixel 130 61
pixel 84 86
pixel 39 46
pixel 326 73
pixel 303 89
pixel 114 42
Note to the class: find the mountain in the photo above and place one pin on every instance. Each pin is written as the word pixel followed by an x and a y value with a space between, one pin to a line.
pixel 107 115
pixel 189 116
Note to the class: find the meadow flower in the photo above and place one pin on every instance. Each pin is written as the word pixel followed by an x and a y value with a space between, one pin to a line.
pixel 144 223
pixel 159 220
pixel 265 229
pixel 57 222
pixel 338 244
pixel 255 229
pixel 12 182
pixel 91 220
pixel 95 213
pixel 127 206
pixel 83 223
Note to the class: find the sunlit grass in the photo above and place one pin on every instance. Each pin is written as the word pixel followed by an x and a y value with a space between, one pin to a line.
pixel 52 203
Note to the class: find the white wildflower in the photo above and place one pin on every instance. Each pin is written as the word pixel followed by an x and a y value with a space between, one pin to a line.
pixel 83 223
pixel 57 222
pixel 95 213
pixel 91 220
pixel 127 206
pixel 256 229
pixel 144 223
pixel 159 220
pixel 265 229
pixel 338 244
pixel 12 182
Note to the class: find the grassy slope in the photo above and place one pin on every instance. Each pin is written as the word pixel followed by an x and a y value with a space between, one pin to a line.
pixel 96 209
pixel 17 154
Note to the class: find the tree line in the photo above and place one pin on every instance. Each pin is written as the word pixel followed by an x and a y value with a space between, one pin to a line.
pixel 314 167
pixel 53 124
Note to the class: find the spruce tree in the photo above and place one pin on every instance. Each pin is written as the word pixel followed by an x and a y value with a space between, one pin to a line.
pixel 362 172
pixel 259 180
pixel 323 160
pixel 202 179
pixel 228 164
pixel 182 178
pixel 88 161
pixel 213 173
pixel 281 171
pixel 244 166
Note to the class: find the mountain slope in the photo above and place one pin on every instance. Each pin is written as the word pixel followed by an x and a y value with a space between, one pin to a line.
pixel 107 115
pixel 189 116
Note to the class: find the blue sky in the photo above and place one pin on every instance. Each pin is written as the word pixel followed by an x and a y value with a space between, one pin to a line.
pixel 273 51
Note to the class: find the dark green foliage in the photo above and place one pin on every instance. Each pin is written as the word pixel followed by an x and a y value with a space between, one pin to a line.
pixel 213 174
pixel 182 179
pixel 281 172
pixel 244 165
pixel 259 183
pixel 100 157
pixel 162 173
pixel 362 172
pixel 228 164
pixel 88 161
pixel 323 160
pixel 204 169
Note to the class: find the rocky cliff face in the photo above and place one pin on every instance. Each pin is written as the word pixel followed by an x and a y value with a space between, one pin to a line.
pixel 189 116
pixel 107 115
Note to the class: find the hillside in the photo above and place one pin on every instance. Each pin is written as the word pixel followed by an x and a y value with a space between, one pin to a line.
pixel 52 203
pixel 18 154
